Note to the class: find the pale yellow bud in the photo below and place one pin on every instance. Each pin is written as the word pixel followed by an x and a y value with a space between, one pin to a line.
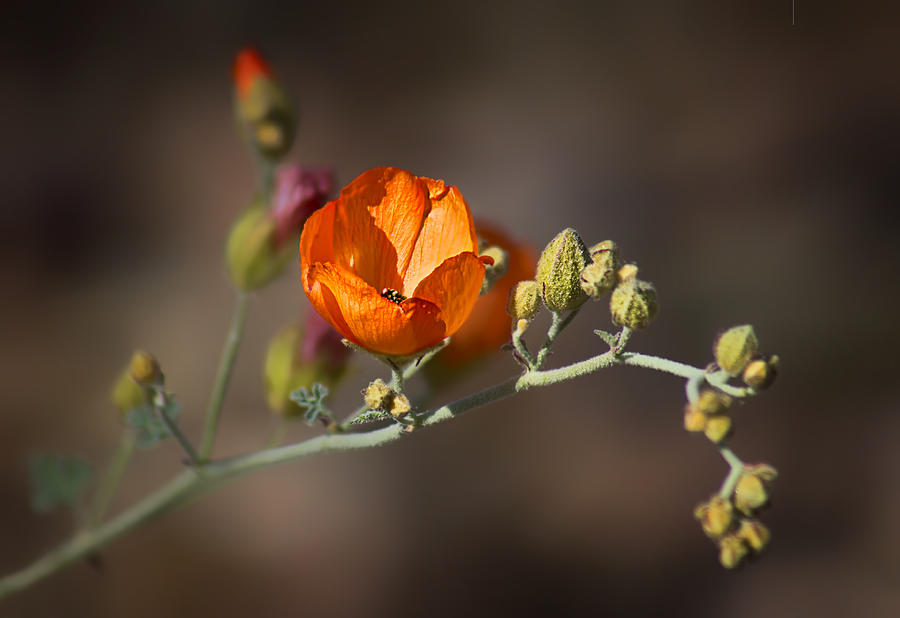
pixel 717 428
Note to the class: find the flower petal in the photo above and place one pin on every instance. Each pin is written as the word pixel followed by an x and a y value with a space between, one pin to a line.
pixel 447 231
pixel 454 286
pixel 362 315
pixel 317 238
pixel 377 222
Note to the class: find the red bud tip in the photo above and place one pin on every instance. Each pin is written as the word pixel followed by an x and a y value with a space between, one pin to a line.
pixel 249 65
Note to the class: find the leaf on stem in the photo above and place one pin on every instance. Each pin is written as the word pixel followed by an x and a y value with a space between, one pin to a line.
pixel 149 428
pixel 57 480
pixel 313 403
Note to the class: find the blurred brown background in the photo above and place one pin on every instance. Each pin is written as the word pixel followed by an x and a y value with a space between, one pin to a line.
pixel 747 164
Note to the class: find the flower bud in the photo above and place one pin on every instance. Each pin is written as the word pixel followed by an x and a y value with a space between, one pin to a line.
pixel 559 272
pixel 144 369
pixel 626 273
pixel 754 534
pixel 694 419
pixel 751 493
pixel 712 402
pixel 495 270
pixel 261 106
pixel 253 258
pixel 524 301
pixel 378 395
pixel 299 192
pixel 761 372
pixel 599 277
pixel 400 405
pixel 717 428
pixel 715 516
pixel 734 348
pixel 633 304
pixel 126 395
pixel 732 551
pixel 300 356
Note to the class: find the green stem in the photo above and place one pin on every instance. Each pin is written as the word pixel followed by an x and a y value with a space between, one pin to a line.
pixel 160 403
pixel 737 468
pixel 556 327
pixel 114 473
pixel 522 349
pixel 223 375
pixel 206 476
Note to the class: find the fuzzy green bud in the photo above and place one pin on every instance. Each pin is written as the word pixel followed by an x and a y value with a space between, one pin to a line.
pixel 735 348
pixel 524 300
pixel 633 304
pixel 717 428
pixel 254 259
pixel 126 395
pixel 266 117
pixel 751 491
pixel 559 272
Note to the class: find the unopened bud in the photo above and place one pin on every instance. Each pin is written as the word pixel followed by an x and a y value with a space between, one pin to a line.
pixel 400 405
pixel 126 395
pixel 627 272
pixel 732 551
pixel 253 257
pixel 378 395
pixel 559 272
pixel 599 277
pixel 694 419
pixel 754 534
pixel 734 348
pixel 761 372
pixel 712 402
pixel 633 304
pixel 144 369
pixel 715 516
pixel 717 428
pixel 751 493
pixel 496 270
pixel 524 300
pixel 261 106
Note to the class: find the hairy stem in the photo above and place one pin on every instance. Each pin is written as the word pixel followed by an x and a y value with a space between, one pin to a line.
pixel 737 468
pixel 556 327
pixel 208 475
pixel 223 375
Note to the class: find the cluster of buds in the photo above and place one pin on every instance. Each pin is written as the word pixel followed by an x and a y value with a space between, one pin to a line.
pixel 729 517
pixel 729 520
pixel 737 353
pixel 381 397
pixel 569 273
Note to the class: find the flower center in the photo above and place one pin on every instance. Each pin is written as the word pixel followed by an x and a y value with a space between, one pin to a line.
pixel 392 295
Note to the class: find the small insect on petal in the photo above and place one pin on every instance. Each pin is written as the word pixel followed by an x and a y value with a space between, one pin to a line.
pixel 393 295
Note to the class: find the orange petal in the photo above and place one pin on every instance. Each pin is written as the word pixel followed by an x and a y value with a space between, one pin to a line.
pixel 454 286
pixel 447 231
pixel 378 220
pixel 317 237
pixel 362 315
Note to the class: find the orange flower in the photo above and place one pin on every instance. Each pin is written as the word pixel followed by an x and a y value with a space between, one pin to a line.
pixel 488 328
pixel 249 65
pixel 392 264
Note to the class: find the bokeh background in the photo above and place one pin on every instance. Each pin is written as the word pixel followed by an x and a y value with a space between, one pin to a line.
pixel 748 165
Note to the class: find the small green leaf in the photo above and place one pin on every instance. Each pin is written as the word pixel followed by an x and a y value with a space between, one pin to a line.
pixel 148 426
pixel 57 480
pixel 372 416
pixel 313 402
